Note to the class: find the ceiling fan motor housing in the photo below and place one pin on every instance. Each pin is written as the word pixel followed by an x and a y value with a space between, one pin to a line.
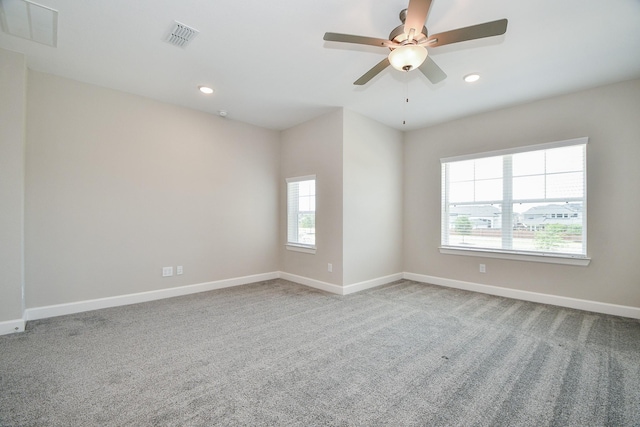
pixel 398 35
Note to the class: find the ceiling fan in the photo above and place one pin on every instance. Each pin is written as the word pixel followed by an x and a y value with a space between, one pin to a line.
pixel 408 42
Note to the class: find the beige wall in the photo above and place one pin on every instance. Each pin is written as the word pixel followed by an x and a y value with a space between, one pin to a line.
pixel 609 116
pixel 358 168
pixel 13 86
pixel 118 186
pixel 315 148
pixel 372 199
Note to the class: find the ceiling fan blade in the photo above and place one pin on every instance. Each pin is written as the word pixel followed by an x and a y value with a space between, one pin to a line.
pixel 431 71
pixel 372 72
pixel 488 29
pixel 348 38
pixel 416 15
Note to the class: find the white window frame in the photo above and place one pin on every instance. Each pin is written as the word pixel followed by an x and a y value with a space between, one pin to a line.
pixel 534 256
pixel 294 245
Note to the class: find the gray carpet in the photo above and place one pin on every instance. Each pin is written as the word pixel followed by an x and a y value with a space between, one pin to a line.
pixel 277 353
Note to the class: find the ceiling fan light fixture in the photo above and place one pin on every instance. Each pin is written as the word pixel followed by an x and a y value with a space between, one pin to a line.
pixel 408 57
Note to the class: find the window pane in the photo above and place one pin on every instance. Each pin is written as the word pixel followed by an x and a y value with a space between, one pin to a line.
pixel 549 227
pixel 528 187
pixel 475 226
pixel 565 185
pixel 491 167
pixel 307 229
pixel 461 171
pixel 301 206
pixel 306 188
pixel 565 159
pixel 461 192
pixel 488 190
pixel 531 163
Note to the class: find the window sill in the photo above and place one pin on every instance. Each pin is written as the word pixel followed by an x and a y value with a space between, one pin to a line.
pixel 547 258
pixel 300 248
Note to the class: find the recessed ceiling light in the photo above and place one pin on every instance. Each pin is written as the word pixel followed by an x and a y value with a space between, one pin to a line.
pixel 470 78
pixel 222 113
pixel 205 89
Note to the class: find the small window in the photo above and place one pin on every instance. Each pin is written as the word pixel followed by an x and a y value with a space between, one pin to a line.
pixel 301 213
pixel 529 201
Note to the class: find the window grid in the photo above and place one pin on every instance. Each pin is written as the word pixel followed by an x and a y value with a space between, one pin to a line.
pixel 545 216
pixel 301 208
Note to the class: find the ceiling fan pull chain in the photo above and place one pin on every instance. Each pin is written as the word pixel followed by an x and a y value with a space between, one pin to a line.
pixel 406 99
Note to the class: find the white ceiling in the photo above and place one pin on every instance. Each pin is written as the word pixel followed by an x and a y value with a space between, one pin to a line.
pixel 270 67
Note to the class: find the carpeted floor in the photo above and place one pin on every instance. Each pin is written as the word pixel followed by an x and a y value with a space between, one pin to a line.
pixel 278 353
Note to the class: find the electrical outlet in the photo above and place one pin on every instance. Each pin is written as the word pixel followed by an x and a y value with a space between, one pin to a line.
pixel 330 268
pixel 483 268
pixel 179 270
pixel 167 271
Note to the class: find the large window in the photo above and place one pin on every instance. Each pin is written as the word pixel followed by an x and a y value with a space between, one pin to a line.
pixel 528 201
pixel 301 212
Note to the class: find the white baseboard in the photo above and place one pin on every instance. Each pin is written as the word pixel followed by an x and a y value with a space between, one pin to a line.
pixel 313 283
pixel 368 284
pixel 337 289
pixel 580 304
pixel 11 326
pixel 18 325
pixel 95 304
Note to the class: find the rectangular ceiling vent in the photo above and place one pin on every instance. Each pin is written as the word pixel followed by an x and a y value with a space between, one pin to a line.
pixel 31 21
pixel 180 35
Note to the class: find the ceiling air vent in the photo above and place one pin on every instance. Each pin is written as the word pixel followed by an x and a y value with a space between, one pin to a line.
pixel 181 35
pixel 31 21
